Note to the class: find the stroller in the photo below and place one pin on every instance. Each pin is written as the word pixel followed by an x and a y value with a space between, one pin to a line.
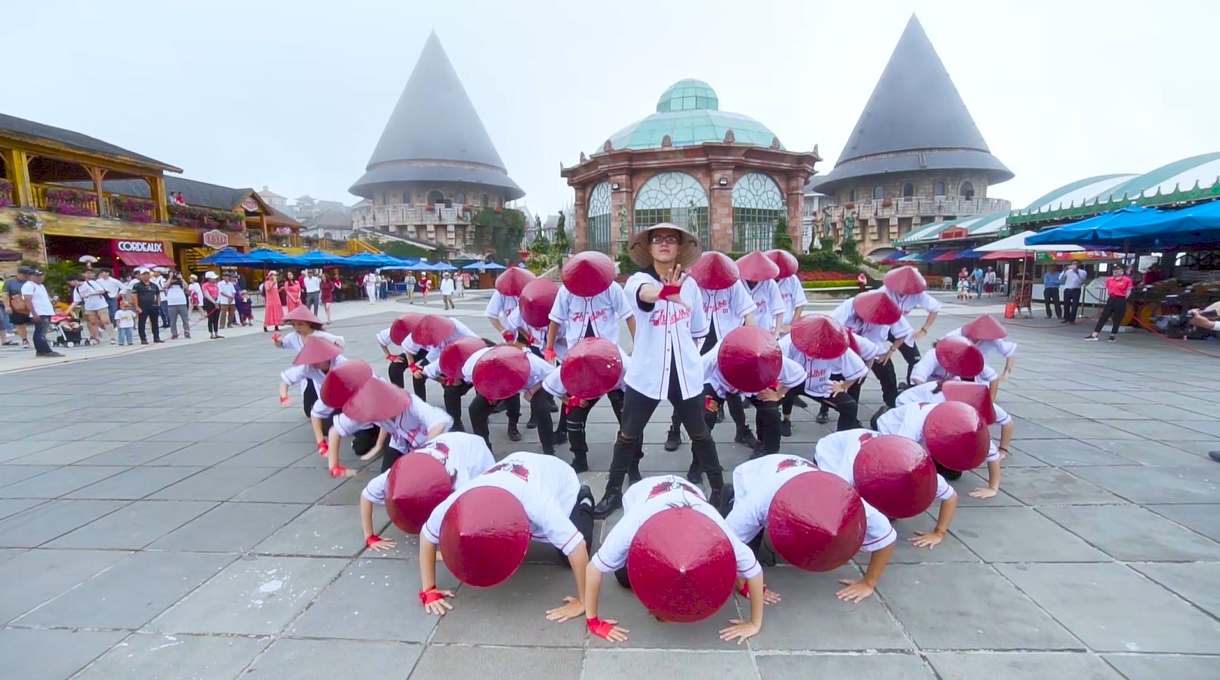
pixel 67 330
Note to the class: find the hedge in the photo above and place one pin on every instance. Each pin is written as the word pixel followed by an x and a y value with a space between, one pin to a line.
pixel 810 285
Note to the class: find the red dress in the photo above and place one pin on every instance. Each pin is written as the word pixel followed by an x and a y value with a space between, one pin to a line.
pixel 292 292
pixel 273 313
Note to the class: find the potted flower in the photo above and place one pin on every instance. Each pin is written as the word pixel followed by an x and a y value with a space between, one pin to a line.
pixel 849 206
pixel 885 203
pixel 29 243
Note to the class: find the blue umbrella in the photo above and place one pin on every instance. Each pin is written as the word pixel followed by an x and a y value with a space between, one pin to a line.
pixel 362 260
pixel 490 266
pixel 443 267
pixel 320 258
pixel 1140 229
pixel 274 258
pixel 230 257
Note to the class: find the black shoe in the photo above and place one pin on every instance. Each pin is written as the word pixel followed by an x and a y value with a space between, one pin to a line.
pixel 561 437
pixel 1214 455
pixel 822 417
pixel 694 474
pixel 673 440
pixel 801 403
pixel 514 435
pixel 500 407
pixel 143 342
pixel 745 436
pixel 758 452
pixel 904 386
pixel 580 463
pixel 554 408
pixel 531 425
pixel 785 428
pixel 613 500
pixel 158 342
pixel 585 495
pixel 633 472
pixel 720 415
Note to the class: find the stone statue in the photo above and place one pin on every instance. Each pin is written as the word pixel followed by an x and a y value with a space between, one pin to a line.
pixel 849 226
pixel 582 157
pixel 666 142
pixel 729 137
pixel 622 225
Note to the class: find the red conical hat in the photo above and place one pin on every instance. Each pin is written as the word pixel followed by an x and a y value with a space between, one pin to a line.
pixel 416 485
pixel 484 536
pixel 455 354
pixel 750 359
pixel 895 475
pixel 513 281
pixel 588 274
pixel 820 336
pixel 502 372
pixel 403 325
pixel 537 299
pixel 432 330
pixel 591 368
pixel 757 267
pixel 786 261
pixel 343 381
pixel 905 281
pixel 877 308
pixel 816 521
pixel 851 340
pixel 377 400
pixel 972 393
pixel 302 314
pixel 714 271
pixel 681 565
pixel 959 357
pixel 315 350
pixel 984 328
pixel 956 436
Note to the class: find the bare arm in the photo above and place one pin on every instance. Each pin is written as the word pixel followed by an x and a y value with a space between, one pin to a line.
pixel 631 325
pixel 593 589
pixel 551 331
pixel 857 591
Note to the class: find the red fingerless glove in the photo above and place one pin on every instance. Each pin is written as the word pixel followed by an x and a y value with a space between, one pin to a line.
pixel 373 540
pixel 323 447
pixel 285 400
pixel 599 628
pixel 338 471
pixel 509 336
pixel 573 402
pixel 745 590
pixel 667 291
pixel 427 597
pixel 275 337
pixel 549 354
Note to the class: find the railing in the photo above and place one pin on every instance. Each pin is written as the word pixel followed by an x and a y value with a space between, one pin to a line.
pixel 82 202
pixel 386 215
pixel 919 207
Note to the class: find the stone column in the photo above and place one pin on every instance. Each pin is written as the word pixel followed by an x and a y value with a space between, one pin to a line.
pixel 580 222
pixel 720 210
pixel 796 207
pixel 622 201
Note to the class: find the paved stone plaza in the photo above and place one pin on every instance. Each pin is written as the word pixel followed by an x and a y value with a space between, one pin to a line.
pixel 162 517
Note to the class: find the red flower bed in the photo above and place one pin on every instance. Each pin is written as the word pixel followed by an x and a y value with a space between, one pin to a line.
pixel 823 276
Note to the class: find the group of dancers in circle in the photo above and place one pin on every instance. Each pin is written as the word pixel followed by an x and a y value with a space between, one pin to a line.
pixel 709 335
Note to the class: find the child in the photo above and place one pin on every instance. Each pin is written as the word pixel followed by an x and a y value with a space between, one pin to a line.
pixel 396 334
pixel 504 298
pixel 506 372
pixel 125 320
pixel 822 348
pixel 593 368
pixel 305 325
pixel 963 290
pixel 990 337
pixel 316 358
pixel 428 337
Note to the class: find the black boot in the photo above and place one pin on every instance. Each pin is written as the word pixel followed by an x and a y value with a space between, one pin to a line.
pixel 694 474
pixel 673 440
pixel 561 437
pixel 745 436
pixel 580 463
pixel 823 416
pixel 785 428
pixel 514 435
pixel 633 472
pixel 531 424
pixel 611 501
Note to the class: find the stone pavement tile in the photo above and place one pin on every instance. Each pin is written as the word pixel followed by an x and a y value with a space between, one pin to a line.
pixel 252 596
pixel 133 526
pixel 1088 429
pixel 1095 411
pixel 1018 457
pixel 8 508
pixel 447 663
pixel 13 473
pixel 300 433
pixel 1069 452
pixel 951 549
pixel 229 527
pixel 78 431
pixel 976 479
pixel 300 659
pixel 200 454
pixel 810 617
pixel 1153 453
pixel 129 594
pixel 44 574
pixel 1155 430
pixel 254 433
pixel 1164 666
pixel 134 453
pixel 1037 412
pixel 1146 485
pixel 514 612
pixel 323 531
pixel 1051 486
pixel 348 493
pixel 275 454
pixel 51 520
pixel 1198 583
pixel 968 606
pixel 1208 427
pixel 176 656
pixel 240 414
pixel 1133 534
pixel 1021 666
pixel 213 484
pixel 619 604
pixel 57 482
pixel 1204 519
pixel 880 666
pixel 1029 431
pixel 132 432
pixel 365 603
pixel 68 453
pixel 190 431
pixel 14 450
pixel 51 654
pixel 1114 609
pixel 10 553
pixel 133 484
pixel 1153 411
pixel 24 425
pixel 1021 535
pixel 291 485
pixel 1197 449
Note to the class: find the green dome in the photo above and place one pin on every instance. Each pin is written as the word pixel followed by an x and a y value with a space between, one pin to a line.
pixel 689 112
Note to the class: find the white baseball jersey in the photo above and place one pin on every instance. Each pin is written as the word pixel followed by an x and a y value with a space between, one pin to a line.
pixel 514 322
pixel 465 456
pixel 909 302
pixel 928 393
pixel 553 382
pixel 792 293
pixel 755 484
pixel 499 306
pixel 539 368
pixel 818 371
pixel 790 375
pixel 665 334
pixel 908 420
pixel 577 316
pixel 460 330
pixel 928 369
pixel 408 429
pixel 836 453
pixel 868 350
pixel 653 495
pixel 383 338
pixel 1002 347
pixel 547 488
pixel 767 303
pixel 301 375
pixel 726 309
pixel 846 315
pixel 295 342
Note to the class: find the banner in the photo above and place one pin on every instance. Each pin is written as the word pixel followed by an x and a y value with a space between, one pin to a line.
pixel 119 247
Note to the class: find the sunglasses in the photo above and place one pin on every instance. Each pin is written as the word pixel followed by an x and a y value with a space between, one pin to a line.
pixel 667 240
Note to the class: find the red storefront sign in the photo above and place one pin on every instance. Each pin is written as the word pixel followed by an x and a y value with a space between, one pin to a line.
pixel 957 232
pixel 141 253
pixel 216 239
pixel 121 247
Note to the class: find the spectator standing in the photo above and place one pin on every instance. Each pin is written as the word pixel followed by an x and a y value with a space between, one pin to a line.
pixel 1050 291
pixel 447 287
pixel 227 300
pixel 312 284
pixel 989 281
pixel 211 303
pixel 1071 283
pixel 179 305
pixel 273 311
pixel 91 297
pixel 425 284
pixel 125 322
pixel 292 291
pixel 410 282
pixel 194 294
pixel 328 288
pixel 245 310
pixel 978 280
pixel 113 288
pixel 39 303
pixel 370 287
pixel 465 283
pixel 15 304
pixel 1118 287
pixel 158 277
pixel 148 307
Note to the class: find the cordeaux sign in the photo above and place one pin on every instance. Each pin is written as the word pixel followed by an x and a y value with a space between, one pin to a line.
pixel 138 247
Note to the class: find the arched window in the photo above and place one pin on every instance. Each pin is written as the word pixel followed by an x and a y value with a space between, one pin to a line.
pixel 878 193
pixel 757 207
pixel 599 218
pixel 485 200
pixel 908 190
pixel 938 189
pixel 436 198
pixel 851 196
pixel 966 191
pixel 461 198
pixel 673 197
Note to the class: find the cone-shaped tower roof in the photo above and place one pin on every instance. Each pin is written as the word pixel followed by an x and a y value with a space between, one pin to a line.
pixel 435 134
pixel 914 120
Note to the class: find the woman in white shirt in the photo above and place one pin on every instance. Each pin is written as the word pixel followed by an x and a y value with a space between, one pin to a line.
pixel 179 306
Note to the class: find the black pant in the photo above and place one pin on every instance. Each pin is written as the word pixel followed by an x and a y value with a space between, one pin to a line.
pixel 846 405
pixel 213 313
pixel 766 418
pixel 481 410
pixel 453 404
pixel 1071 303
pixel 1116 308
pixel 889 382
pixel 1050 296
pixel 582 517
pixel 41 346
pixel 420 385
pixel 388 458
pixel 910 354
pixel 575 419
pixel 736 410
pixel 309 398
pixel 150 313
pixel 638 410
pixel 398 370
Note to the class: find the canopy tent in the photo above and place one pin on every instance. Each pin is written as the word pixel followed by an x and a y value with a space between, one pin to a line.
pixel 909 257
pixel 274 258
pixel 230 257
pixel 1007 255
pixel 362 260
pixel 949 256
pixel 138 259
pixel 931 255
pixel 321 258
pixel 489 266
pixel 1020 242
pixel 971 254
pixel 443 267
pixel 1137 228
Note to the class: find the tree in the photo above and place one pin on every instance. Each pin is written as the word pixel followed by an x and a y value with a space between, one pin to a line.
pixel 399 249
pixel 561 245
pixel 783 241
pixel 506 227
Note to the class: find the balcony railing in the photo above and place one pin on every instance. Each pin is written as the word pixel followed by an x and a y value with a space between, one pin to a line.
pixel 82 202
pixel 919 207
pixel 386 215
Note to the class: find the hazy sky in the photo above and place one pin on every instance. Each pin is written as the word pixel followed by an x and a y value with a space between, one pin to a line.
pixel 294 95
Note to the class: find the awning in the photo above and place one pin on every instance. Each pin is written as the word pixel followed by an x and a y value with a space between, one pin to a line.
pixel 931 255
pixel 949 256
pixel 145 259
pixel 970 254
pixel 912 257
pixel 1007 255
